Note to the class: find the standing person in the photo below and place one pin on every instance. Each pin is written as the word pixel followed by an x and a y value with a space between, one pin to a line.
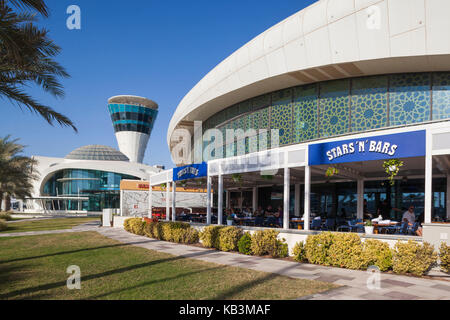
pixel 367 214
pixel 384 209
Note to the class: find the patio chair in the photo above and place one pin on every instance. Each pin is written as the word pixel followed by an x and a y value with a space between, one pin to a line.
pixel 412 229
pixel 399 229
pixel 316 224
pixel 329 225
pixel 345 227
pixel 259 221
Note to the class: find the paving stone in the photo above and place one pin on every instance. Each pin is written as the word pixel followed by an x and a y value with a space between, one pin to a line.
pixel 395 283
pixel 400 295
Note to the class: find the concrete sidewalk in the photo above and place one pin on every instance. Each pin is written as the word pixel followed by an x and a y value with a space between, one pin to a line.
pixel 354 283
pixel 89 226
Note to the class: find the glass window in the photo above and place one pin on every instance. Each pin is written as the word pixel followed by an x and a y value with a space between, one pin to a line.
pixel 369 103
pixel 409 98
pixel 334 108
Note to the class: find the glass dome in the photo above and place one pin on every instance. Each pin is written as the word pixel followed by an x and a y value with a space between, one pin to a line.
pixel 97 152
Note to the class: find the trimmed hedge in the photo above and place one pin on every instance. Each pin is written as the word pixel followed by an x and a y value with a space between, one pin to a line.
pixel 444 256
pixel 377 253
pixel 317 247
pixel 245 244
pixel 167 231
pixel 3 225
pixel 5 216
pixel 229 238
pixel 411 257
pixel 210 236
pixel 266 242
pixel 344 250
pixel 299 252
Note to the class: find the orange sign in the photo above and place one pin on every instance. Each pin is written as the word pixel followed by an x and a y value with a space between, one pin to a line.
pixel 139 185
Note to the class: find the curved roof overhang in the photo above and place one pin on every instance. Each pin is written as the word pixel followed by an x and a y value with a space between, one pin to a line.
pixel 331 39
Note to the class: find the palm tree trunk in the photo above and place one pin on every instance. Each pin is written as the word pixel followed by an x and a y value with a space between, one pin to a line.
pixel 1 200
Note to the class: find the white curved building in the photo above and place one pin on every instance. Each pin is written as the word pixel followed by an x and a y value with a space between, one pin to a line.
pixel 86 180
pixel 345 84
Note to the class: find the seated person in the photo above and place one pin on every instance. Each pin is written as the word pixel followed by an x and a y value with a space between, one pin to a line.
pixel 269 211
pixel 279 216
pixel 410 218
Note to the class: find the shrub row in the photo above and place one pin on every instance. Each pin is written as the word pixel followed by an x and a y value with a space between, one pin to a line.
pixel 346 250
pixel 5 216
pixel 263 242
pixel 3 225
pixel 444 256
pixel 167 231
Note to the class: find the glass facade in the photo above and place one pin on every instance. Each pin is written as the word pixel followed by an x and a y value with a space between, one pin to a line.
pixel 338 107
pixel 102 188
pixel 132 118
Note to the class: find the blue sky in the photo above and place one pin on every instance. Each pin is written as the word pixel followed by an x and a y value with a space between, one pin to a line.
pixel 155 49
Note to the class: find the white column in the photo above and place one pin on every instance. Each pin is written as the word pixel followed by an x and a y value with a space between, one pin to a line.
pixel 167 201
pixel 428 178
pixel 360 199
pixel 297 200
pixel 448 197
pixel 174 201
pixel 255 199
pixel 287 185
pixel 121 203
pixel 220 201
pixel 208 199
pixel 307 210
pixel 150 201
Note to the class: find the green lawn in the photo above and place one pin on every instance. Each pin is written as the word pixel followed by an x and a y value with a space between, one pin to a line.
pixel 47 224
pixel 34 267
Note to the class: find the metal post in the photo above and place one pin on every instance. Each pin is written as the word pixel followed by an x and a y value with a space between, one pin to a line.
pixel 448 197
pixel 360 199
pixel 255 199
pixel 208 199
pixel 306 215
pixel 174 201
pixel 168 201
pixel 428 179
pixel 286 202
pixel 150 201
pixel 227 201
pixel 297 200
pixel 121 203
pixel 220 200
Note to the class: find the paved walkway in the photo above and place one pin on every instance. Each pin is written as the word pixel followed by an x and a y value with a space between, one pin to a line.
pixel 354 283
pixel 90 226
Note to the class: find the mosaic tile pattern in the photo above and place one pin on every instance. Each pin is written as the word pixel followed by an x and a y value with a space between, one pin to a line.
pixel 281 120
pixel 301 115
pixel 441 96
pixel 334 108
pixel 305 113
pixel 369 103
pixel 409 98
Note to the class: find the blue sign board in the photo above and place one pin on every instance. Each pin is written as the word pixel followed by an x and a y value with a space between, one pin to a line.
pixel 401 145
pixel 192 171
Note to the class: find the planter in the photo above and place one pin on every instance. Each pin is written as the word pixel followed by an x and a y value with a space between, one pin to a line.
pixel 368 230
pixel 229 222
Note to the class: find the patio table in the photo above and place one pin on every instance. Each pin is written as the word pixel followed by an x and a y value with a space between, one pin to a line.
pixel 378 227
